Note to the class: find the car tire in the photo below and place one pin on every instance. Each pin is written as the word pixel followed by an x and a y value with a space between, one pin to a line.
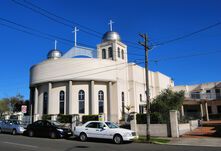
pixel 30 133
pixel 0 130
pixel 118 139
pixel 14 132
pixel 53 135
pixel 83 137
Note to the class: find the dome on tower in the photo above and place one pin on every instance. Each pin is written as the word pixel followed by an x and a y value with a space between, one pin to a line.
pixel 54 54
pixel 111 36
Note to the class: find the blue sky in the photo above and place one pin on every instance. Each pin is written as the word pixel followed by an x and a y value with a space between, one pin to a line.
pixel 162 20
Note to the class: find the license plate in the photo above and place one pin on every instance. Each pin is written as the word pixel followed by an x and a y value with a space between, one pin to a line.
pixel 69 133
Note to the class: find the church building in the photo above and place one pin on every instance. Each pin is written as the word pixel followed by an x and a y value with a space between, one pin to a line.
pixel 102 82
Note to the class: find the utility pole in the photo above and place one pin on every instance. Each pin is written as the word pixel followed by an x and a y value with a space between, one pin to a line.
pixel 146 48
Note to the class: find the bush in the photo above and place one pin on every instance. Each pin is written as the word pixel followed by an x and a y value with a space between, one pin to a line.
pixel 46 117
pixel 155 118
pixel 86 118
pixel 64 118
pixel 141 118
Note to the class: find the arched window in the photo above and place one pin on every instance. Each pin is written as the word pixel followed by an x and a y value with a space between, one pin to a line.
pixel 118 52
pixel 104 54
pixel 122 53
pixel 101 102
pixel 140 97
pixel 45 103
pixel 81 99
pixel 110 52
pixel 61 96
pixel 123 105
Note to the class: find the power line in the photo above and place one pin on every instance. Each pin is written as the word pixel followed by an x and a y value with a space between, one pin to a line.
pixel 47 36
pixel 187 35
pixel 183 56
pixel 69 24
pixel 67 20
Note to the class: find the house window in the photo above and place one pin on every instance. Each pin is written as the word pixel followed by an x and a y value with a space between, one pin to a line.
pixel 195 95
pixel 122 53
pixel 61 102
pixel 104 54
pixel 101 102
pixel 219 109
pixel 45 103
pixel 140 97
pixel 118 52
pixel 123 104
pixel 141 109
pixel 110 52
pixel 81 99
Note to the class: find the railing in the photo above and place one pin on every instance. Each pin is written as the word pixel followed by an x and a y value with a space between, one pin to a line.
pixel 203 96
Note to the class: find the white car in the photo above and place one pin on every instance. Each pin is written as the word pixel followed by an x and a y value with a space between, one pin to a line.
pixel 104 130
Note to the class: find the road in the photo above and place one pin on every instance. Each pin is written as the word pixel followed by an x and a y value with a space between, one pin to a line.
pixel 23 143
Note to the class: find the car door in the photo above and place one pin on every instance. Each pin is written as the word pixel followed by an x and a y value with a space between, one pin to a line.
pixel 46 129
pixel 91 129
pixel 102 131
pixel 38 128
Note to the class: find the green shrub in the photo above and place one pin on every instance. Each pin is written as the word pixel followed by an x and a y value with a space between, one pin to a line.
pixel 215 116
pixel 155 118
pixel 64 118
pixel 46 117
pixel 86 118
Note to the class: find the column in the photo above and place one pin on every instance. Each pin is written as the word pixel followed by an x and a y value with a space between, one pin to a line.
pixel 91 100
pixel 109 101
pixel 50 103
pixel 36 104
pixel 182 111
pixel 206 111
pixel 69 103
pixel 174 124
pixel 201 110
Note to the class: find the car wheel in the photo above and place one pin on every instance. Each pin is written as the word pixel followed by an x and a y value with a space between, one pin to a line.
pixel 30 133
pixel 0 130
pixel 14 132
pixel 53 135
pixel 117 139
pixel 83 137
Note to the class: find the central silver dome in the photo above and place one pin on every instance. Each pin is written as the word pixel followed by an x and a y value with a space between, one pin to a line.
pixel 54 54
pixel 111 36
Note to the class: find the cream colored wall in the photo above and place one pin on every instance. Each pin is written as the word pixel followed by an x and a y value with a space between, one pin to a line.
pixel 56 88
pixel 41 89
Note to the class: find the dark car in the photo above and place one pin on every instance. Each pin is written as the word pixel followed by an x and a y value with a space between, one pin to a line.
pixel 45 128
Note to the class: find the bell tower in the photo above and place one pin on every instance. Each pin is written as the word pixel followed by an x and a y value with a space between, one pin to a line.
pixel 111 47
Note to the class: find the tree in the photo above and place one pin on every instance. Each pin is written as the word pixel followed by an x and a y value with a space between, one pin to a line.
pixel 4 106
pixel 167 100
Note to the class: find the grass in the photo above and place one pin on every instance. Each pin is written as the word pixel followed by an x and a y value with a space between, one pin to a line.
pixel 153 140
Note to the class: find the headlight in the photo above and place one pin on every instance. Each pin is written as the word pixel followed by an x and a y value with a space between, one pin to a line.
pixel 21 128
pixel 60 130
pixel 128 134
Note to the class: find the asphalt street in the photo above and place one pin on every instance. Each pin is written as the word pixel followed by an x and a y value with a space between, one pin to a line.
pixel 24 143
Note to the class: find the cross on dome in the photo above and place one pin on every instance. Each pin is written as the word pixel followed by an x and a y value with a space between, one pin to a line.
pixel 55 44
pixel 111 25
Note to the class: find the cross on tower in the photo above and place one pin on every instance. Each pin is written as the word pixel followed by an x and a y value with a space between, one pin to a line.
pixel 75 35
pixel 55 44
pixel 111 25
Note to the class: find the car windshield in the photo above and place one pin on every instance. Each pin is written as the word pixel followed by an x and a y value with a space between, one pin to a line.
pixel 56 123
pixel 111 125
pixel 17 122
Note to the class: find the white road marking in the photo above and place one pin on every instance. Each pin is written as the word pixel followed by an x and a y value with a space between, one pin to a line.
pixel 18 144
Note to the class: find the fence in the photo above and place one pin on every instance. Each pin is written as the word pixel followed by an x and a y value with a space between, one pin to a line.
pixel 172 129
